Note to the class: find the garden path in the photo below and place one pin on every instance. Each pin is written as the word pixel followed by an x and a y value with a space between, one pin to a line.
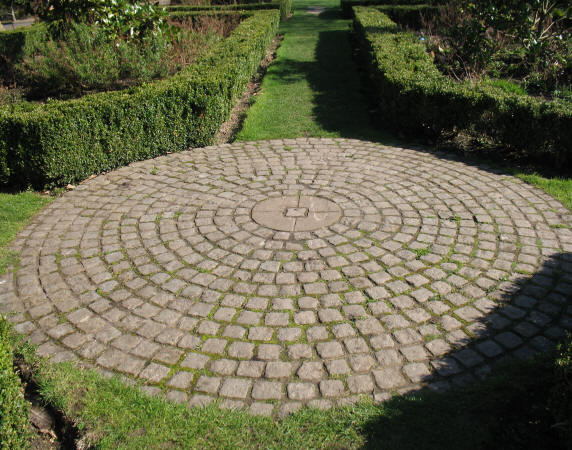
pixel 278 273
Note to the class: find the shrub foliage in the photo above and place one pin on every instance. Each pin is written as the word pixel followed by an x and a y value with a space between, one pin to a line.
pixel 416 98
pixel 65 141
pixel 88 59
pixel 14 408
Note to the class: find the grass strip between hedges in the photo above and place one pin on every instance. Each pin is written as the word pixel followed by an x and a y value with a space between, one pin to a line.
pixel 313 87
pixel 347 5
pixel 284 6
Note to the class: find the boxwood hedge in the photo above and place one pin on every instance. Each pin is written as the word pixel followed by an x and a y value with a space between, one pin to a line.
pixel 347 5
pixel 285 7
pixel 14 44
pixel 409 16
pixel 416 98
pixel 62 142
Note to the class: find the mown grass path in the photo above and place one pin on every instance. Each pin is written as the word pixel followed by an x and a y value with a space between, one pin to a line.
pixel 313 87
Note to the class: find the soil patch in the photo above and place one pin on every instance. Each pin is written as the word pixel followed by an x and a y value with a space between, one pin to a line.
pixel 51 428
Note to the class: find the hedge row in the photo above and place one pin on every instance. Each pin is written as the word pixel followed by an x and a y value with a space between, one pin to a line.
pixel 13 45
pixel 409 16
pixel 65 141
pixel 211 12
pixel 285 7
pixel 14 408
pixel 347 5
pixel 220 3
pixel 416 98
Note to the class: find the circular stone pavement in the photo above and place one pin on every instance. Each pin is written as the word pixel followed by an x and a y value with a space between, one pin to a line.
pixel 308 271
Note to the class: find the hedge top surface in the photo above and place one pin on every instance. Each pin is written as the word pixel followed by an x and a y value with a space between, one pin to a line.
pixel 162 271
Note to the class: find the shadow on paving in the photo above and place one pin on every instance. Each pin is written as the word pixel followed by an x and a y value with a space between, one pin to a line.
pixel 511 399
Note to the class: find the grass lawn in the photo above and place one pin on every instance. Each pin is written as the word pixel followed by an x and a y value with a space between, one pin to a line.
pixel 558 187
pixel 15 212
pixel 508 410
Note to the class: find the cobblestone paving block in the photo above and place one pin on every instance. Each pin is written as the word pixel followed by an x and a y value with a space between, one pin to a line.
pixel 389 378
pixel 252 369
pixel 261 409
pixel 208 384
pixel 329 350
pixel 267 390
pixel 237 388
pixel 277 271
pixel 278 369
pixel 332 388
pixel 181 380
pixel 195 361
pixel 154 372
pixel 302 391
pixel 360 384
pixel 311 370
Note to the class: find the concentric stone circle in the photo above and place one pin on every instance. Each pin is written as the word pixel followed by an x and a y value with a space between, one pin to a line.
pixel 296 213
pixel 415 270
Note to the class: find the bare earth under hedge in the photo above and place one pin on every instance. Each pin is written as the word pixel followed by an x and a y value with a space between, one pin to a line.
pixel 428 272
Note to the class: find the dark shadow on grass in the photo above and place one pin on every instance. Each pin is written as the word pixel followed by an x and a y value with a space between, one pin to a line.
pixel 498 388
pixel 339 99
pixel 509 410
pixel 344 104
pixel 339 102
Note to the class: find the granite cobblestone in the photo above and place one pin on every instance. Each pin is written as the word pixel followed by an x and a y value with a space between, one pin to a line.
pixel 275 274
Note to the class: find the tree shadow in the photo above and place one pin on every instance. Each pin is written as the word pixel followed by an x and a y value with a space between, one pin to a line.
pixel 340 97
pixel 496 388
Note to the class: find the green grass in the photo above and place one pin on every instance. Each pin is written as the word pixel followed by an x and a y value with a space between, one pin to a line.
pixel 15 212
pixel 508 410
pixel 419 252
pixel 313 87
pixel 557 187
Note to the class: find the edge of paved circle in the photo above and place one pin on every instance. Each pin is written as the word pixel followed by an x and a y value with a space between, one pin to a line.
pixel 116 175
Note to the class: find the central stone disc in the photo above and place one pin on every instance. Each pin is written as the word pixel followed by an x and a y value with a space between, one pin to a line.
pixel 296 213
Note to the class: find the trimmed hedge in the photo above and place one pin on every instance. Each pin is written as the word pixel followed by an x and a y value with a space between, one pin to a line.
pixel 62 142
pixel 14 409
pixel 416 98
pixel 347 5
pixel 14 45
pixel 285 7
pixel 210 12
pixel 409 16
